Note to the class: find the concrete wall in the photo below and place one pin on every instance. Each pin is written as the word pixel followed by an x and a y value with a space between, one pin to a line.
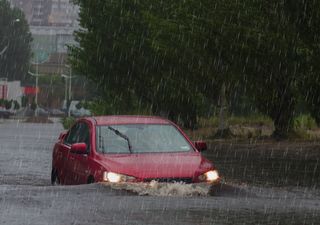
pixel 11 90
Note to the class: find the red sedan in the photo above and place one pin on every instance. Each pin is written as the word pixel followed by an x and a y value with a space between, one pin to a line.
pixel 129 149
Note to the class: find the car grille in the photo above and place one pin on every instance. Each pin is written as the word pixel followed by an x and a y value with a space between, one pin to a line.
pixel 170 180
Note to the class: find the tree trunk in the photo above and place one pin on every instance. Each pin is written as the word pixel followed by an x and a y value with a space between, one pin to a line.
pixel 283 121
pixel 223 129
pixel 223 109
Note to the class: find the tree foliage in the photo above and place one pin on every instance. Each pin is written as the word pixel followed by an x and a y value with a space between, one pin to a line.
pixel 174 56
pixel 117 52
pixel 15 42
pixel 274 64
pixel 305 15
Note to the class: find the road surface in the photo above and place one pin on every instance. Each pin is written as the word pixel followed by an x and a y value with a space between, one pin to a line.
pixel 26 196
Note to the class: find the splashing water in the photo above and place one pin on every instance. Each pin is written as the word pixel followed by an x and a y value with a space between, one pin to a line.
pixel 155 188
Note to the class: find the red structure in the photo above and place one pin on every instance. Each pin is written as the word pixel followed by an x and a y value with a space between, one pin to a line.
pixel 30 90
pixel 3 91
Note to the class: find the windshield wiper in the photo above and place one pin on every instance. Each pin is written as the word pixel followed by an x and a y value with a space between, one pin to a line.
pixel 123 136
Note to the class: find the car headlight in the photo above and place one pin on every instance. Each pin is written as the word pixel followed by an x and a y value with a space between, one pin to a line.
pixel 210 176
pixel 116 177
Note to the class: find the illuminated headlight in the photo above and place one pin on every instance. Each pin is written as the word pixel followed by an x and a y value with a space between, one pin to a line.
pixel 116 178
pixel 210 176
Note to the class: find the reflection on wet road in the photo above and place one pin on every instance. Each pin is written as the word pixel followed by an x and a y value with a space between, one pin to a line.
pixel 269 163
pixel 263 185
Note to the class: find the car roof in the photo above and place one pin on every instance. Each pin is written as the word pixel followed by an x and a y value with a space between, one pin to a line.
pixel 107 120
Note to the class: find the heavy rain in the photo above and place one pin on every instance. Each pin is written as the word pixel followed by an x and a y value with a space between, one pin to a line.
pixel 159 112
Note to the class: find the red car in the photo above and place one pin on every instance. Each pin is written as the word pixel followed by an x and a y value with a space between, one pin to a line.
pixel 129 149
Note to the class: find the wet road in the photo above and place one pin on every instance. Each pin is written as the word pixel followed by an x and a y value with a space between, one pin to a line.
pixel 283 197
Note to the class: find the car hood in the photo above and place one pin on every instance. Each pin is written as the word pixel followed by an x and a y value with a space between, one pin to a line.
pixel 157 165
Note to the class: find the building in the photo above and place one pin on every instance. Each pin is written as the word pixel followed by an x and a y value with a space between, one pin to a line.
pixel 41 10
pixel 25 6
pixel 63 13
pixel 11 90
pixel 3 88
pixel 37 11
pixel 49 12
pixel 52 25
pixel 50 48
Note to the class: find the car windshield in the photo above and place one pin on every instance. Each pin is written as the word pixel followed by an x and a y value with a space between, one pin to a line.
pixel 143 138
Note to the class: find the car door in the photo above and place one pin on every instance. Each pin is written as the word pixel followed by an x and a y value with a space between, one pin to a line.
pixel 66 175
pixel 80 162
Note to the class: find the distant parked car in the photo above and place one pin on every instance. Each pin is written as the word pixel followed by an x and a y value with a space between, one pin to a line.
pixel 75 111
pixel 56 112
pixel 80 112
pixel 117 149
pixel 5 113
pixel 41 112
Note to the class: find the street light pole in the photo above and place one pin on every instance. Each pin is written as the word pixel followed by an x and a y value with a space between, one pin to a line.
pixel 36 99
pixel 37 84
pixel 70 90
pixel 66 92
pixel 70 87
pixel 66 97
pixel 37 81
pixel 70 93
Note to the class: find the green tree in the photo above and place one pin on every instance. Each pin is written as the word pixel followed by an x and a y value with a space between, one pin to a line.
pixel 274 63
pixel 15 39
pixel 8 104
pixel 306 17
pixel 116 51
pixel 203 43
pixel 174 57
pixel 106 53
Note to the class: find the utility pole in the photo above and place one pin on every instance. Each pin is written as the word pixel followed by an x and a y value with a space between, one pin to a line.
pixel 70 75
pixel 70 87
pixel 37 81
pixel 36 99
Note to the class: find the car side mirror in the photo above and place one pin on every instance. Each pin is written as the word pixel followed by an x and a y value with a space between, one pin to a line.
pixel 200 145
pixel 79 148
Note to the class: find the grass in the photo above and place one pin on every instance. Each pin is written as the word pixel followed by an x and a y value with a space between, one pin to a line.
pixel 253 120
pixel 304 122
pixel 255 127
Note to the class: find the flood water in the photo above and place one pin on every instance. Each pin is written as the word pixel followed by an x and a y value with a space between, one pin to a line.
pixel 268 163
pixel 265 183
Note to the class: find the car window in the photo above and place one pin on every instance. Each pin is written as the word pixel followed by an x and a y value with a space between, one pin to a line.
pixel 84 135
pixel 79 133
pixel 72 135
pixel 143 138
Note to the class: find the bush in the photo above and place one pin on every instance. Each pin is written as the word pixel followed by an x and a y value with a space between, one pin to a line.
pixel 8 104
pixel 16 105
pixel 252 120
pixel 304 122
pixel 67 122
pixel 2 101
pixel 24 101
pixel 33 106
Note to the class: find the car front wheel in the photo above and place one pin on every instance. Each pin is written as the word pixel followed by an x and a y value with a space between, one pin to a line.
pixel 54 177
pixel 90 180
